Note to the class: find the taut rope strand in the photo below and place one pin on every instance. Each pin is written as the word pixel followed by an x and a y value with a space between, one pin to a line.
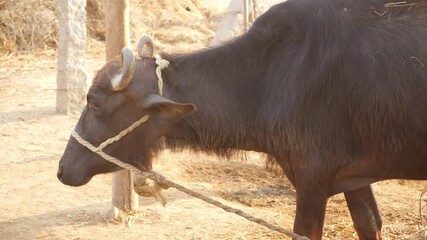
pixel 162 181
pixel 165 184
pixel 124 132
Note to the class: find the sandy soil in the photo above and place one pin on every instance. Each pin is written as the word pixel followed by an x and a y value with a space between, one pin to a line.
pixel 35 205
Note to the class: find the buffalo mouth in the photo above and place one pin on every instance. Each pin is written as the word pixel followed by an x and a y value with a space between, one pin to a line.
pixel 74 180
pixel 80 173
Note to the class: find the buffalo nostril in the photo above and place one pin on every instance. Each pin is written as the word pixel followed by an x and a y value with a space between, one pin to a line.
pixel 59 173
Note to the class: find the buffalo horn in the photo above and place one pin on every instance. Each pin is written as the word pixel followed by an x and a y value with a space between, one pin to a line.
pixel 145 47
pixel 128 67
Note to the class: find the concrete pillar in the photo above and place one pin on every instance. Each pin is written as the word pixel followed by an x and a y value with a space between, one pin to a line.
pixel 71 76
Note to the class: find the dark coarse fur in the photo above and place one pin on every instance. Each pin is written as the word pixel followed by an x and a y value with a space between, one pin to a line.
pixel 334 90
pixel 331 78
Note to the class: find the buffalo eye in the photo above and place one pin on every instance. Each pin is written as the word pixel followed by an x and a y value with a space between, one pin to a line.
pixel 93 106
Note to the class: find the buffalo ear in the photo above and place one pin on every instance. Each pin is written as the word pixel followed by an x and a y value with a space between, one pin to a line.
pixel 159 105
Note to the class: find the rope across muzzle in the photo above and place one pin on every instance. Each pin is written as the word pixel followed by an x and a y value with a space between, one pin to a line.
pixel 99 150
pixel 159 181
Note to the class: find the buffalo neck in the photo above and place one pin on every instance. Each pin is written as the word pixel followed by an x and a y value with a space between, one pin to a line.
pixel 224 84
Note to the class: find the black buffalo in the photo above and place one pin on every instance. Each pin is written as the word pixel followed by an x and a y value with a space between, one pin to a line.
pixel 334 90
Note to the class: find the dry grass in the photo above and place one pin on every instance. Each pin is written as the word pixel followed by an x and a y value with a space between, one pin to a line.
pixel 176 26
pixel 26 24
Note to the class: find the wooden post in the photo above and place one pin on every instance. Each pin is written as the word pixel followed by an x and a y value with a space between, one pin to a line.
pixel 245 15
pixel 117 36
pixel 71 75
pixel 253 14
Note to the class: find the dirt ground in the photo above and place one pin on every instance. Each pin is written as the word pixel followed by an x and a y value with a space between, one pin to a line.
pixel 35 205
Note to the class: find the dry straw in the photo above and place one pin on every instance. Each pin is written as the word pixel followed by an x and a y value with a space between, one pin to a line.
pixel 33 24
pixel 26 24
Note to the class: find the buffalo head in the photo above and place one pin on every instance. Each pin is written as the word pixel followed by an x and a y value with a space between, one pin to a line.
pixel 122 92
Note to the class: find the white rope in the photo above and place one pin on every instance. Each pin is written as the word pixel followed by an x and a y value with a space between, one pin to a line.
pixel 99 150
pixel 161 64
pixel 101 153
pixel 124 132
pixel 154 190
pixel 163 183
pixel 160 181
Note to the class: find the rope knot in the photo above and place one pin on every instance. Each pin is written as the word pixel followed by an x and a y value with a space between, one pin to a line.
pixel 145 189
pixel 162 181
pixel 161 63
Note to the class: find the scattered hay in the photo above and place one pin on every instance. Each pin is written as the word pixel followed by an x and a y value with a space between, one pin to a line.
pixel 95 23
pixel 26 24
pixel 175 26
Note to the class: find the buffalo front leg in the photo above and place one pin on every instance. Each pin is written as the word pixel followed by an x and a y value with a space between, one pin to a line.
pixel 364 212
pixel 310 212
